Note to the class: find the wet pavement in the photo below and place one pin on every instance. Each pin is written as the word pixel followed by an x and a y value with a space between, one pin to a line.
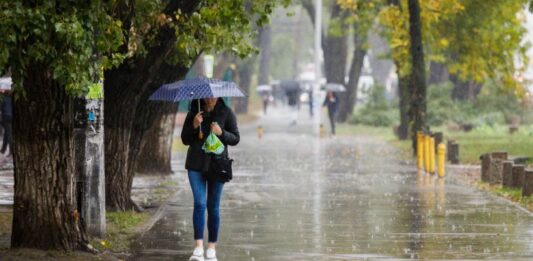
pixel 7 184
pixel 297 197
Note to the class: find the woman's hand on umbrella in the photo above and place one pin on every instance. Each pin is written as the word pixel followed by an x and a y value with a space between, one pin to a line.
pixel 197 120
pixel 215 128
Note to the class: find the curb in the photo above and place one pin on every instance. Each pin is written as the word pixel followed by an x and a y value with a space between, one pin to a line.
pixel 157 215
pixel 459 170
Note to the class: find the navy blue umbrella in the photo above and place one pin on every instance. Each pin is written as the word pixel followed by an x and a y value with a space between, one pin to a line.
pixel 197 88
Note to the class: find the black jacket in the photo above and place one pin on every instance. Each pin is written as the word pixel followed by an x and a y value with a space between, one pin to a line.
pixel 332 105
pixel 197 159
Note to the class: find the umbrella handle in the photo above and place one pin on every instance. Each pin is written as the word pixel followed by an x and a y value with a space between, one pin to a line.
pixel 200 134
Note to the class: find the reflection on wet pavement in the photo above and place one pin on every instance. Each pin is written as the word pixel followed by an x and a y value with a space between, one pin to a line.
pixel 296 197
pixel 6 187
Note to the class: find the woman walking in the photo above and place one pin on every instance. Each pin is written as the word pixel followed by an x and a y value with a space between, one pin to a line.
pixel 212 116
pixel 332 102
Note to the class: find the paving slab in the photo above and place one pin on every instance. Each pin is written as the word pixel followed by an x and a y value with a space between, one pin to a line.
pixel 298 197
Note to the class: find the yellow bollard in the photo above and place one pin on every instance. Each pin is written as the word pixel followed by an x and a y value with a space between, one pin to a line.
pixel 322 131
pixel 260 131
pixel 432 155
pixel 419 150
pixel 441 159
pixel 423 146
pixel 426 153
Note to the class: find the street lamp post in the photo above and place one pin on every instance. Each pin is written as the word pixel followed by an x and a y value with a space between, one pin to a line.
pixel 317 180
pixel 318 67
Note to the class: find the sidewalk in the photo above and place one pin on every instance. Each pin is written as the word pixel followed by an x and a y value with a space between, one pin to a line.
pixel 148 191
pixel 297 197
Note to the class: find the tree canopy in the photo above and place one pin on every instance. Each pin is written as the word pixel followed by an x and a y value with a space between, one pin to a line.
pixel 63 35
pixel 76 38
pixel 476 39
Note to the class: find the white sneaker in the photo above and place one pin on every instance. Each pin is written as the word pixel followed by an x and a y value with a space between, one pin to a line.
pixel 197 254
pixel 211 254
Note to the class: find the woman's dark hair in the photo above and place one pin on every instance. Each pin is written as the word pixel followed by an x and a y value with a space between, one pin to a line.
pixel 193 106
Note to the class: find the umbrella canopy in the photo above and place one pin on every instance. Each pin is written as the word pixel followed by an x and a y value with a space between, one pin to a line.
pixel 196 88
pixel 290 85
pixel 334 87
pixel 264 88
pixel 5 83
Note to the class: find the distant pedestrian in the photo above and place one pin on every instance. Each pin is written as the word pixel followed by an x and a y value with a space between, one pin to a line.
pixel 214 116
pixel 332 102
pixel 265 97
pixel 311 101
pixel 7 118
pixel 292 90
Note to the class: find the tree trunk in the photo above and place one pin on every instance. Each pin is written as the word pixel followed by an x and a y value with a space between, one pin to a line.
pixel 120 113
pixel 403 93
pixel 127 89
pixel 265 43
pixel 418 75
pixel 156 145
pixel 335 58
pixel 127 119
pixel 464 91
pixel 44 213
pixel 335 47
pixel 346 107
pixel 147 114
pixel 245 72
pixel 336 52
pixel 438 73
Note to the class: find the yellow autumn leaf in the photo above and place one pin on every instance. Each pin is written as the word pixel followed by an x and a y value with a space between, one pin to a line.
pixel 444 42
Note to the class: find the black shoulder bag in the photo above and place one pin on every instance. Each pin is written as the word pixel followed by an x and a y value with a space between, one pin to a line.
pixel 220 168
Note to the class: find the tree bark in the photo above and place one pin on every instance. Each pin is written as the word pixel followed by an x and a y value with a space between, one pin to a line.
pixel 350 97
pixel 418 74
pixel 135 114
pixel 438 73
pixel 336 52
pixel 245 72
pixel 335 47
pixel 335 59
pixel 403 93
pixel 127 89
pixel 265 43
pixel 156 145
pixel 464 91
pixel 45 215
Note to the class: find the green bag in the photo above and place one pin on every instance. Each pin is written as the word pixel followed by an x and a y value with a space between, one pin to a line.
pixel 213 144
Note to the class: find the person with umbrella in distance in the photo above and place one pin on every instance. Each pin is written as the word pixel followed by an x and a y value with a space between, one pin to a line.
pixel 292 90
pixel 264 92
pixel 207 114
pixel 332 103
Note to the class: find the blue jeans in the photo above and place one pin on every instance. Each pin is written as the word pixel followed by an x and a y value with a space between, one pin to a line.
pixel 206 193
